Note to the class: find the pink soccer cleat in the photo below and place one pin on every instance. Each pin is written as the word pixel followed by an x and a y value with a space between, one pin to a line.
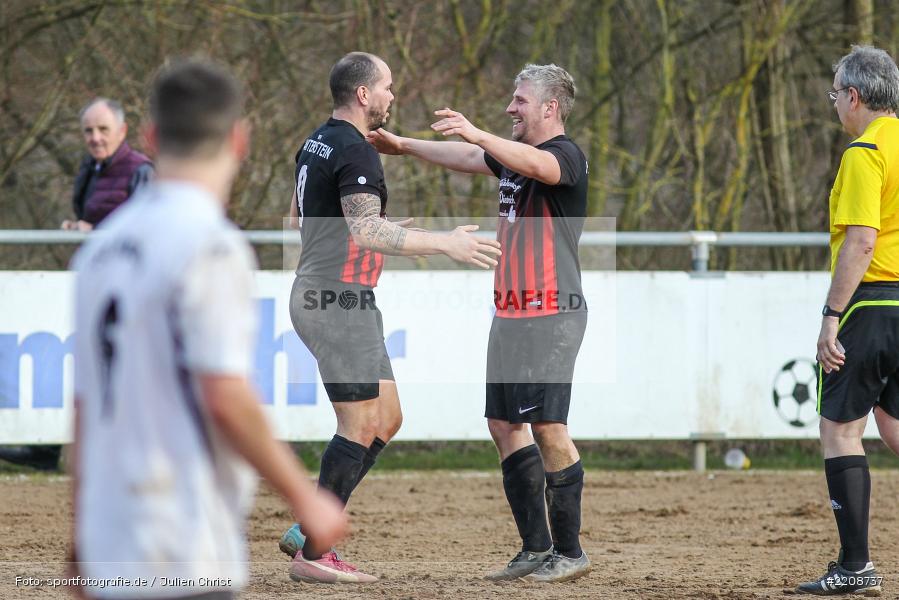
pixel 330 568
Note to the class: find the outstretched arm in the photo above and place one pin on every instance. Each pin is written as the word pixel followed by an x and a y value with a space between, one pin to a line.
pixel 516 156
pixel 371 231
pixel 458 156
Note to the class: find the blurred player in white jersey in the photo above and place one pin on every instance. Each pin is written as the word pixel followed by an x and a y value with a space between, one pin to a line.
pixel 168 427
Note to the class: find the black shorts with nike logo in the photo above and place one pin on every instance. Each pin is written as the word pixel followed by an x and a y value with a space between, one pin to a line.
pixel 869 332
pixel 530 365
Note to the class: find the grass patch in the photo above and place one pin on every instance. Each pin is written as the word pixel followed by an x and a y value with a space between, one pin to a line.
pixel 655 455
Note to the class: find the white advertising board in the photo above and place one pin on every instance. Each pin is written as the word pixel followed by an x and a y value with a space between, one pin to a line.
pixel 666 355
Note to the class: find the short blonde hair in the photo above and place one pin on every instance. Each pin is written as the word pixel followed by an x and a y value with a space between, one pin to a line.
pixel 553 82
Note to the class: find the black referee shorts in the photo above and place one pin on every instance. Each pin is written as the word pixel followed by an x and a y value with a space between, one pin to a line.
pixel 869 331
pixel 530 364
pixel 344 331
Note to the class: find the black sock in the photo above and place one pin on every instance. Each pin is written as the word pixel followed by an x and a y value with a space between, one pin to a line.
pixel 849 484
pixel 341 463
pixel 563 499
pixel 371 455
pixel 523 482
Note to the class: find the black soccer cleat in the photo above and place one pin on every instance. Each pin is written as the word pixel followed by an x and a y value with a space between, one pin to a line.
pixel 839 581
pixel 558 567
pixel 524 563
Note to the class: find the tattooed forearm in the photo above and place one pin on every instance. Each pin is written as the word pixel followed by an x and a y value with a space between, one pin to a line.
pixel 387 235
pixel 363 215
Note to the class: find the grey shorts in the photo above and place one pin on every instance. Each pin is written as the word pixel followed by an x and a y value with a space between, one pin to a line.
pixel 342 327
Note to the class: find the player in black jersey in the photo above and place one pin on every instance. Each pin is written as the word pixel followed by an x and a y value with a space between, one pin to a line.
pixel 540 309
pixel 340 200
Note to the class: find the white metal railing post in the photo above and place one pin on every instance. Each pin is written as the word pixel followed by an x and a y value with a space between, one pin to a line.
pixel 700 447
pixel 700 242
pixel 699 455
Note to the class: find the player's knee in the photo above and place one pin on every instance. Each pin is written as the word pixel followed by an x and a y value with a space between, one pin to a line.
pixel 891 441
pixel 550 434
pixel 500 430
pixel 888 426
pixel 839 439
pixel 509 437
pixel 834 431
pixel 362 431
pixel 390 426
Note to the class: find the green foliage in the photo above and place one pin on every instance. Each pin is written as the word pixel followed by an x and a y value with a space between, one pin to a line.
pixel 693 114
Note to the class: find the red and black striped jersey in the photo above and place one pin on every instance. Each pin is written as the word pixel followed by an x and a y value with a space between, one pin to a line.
pixel 539 228
pixel 333 162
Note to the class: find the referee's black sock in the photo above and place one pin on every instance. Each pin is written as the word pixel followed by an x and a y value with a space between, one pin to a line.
pixel 849 484
pixel 523 481
pixel 563 498
pixel 371 455
pixel 341 463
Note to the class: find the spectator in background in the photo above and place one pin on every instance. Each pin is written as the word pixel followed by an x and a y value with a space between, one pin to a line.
pixel 111 172
pixel 107 177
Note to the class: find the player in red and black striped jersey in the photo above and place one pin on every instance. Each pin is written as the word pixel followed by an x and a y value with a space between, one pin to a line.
pixel 539 228
pixel 340 199
pixel 541 314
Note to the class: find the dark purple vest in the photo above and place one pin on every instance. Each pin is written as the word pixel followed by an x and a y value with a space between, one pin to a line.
pixel 112 185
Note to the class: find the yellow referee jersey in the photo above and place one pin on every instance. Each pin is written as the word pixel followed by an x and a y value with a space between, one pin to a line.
pixel 866 192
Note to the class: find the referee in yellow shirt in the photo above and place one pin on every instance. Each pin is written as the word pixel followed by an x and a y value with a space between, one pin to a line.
pixel 858 347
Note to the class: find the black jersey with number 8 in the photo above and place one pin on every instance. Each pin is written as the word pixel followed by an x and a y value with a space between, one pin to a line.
pixel 333 162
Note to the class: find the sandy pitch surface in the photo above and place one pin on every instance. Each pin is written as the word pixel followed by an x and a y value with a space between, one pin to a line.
pixel 434 535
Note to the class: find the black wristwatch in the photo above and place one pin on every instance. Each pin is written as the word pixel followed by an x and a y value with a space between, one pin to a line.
pixel 829 312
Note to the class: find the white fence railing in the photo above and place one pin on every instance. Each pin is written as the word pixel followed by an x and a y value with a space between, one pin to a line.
pixel 699 241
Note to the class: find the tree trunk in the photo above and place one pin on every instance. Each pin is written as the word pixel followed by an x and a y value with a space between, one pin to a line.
pixel 639 196
pixel 860 21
